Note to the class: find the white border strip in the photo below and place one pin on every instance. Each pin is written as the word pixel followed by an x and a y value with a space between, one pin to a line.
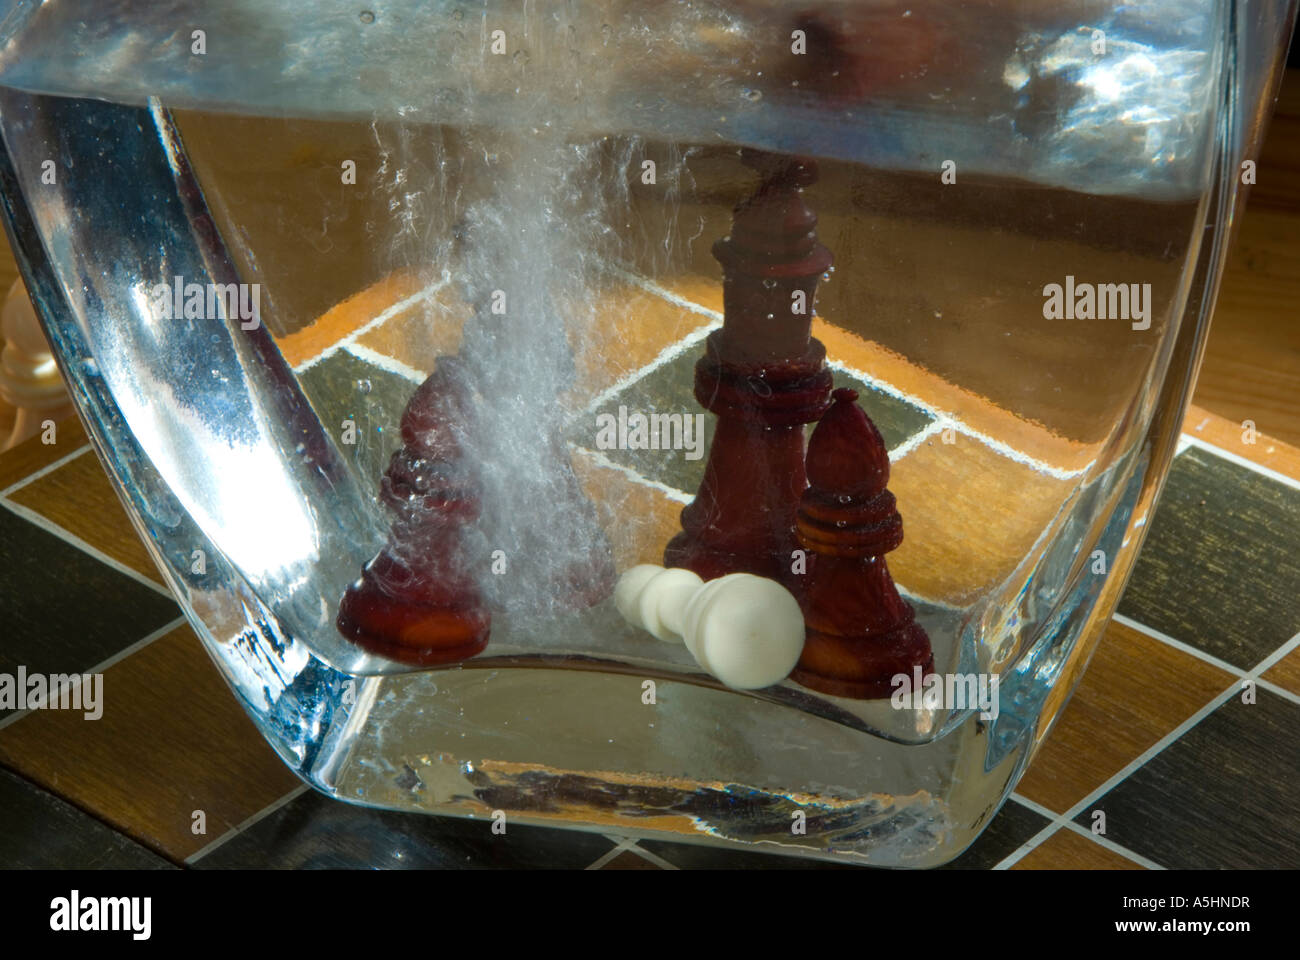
pixel 1149 753
pixel 49 526
pixel 44 471
pixel 1118 778
pixel 386 363
pixel 620 844
pixel 672 493
pixel 664 357
pixel 105 664
pixel 1177 644
pixel 937 425
pixel 239 828
pixel 1101 841
pixel 1005 449
pixel 1239 460
pixel 400 307
pixel 1209 658
pixel 657 860
pixel 663 293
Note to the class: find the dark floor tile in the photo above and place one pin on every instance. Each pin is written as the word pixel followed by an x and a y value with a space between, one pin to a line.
pixel 314 832
pixel 1219 569
pixel 670 390
pixel 896 419
pixel 42 832
pixel 1013 826
pixel 345 387
pixel 1223 796
pixel 64 611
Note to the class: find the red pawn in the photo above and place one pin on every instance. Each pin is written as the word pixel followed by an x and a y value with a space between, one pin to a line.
pixel 416 602
pixel 860 632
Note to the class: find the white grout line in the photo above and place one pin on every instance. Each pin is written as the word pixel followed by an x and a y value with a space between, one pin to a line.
pixel 1113 847
pixel 1277 691
pixel 937 425
pixel 1177 644
pixel 620 844
pixel 1028 847
pixel 386 363
pixel 241 827
pixel 104 665
pixel 138 645
pixel 1110 845
pixel 1271 660
pixel 397 308
pixel 663 293
pixel 1237 672
pixel 1156 748
pixel 1067 819
pixel 672 493
pixel 49 526
pixel 43 471
pixel 1062 819
pixel 1008 451
pixel 1239 460
pixel 658 861
pixel 664 357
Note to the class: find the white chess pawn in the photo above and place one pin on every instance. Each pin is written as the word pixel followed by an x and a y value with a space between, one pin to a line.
pixel 745 630
pixel 29 378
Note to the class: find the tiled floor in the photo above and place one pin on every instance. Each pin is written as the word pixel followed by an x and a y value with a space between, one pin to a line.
pixel 1156 737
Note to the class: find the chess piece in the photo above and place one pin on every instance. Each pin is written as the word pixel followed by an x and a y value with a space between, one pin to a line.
pixel 417 601
pixel 745 630
pixel 860 631
pixel 29 380
pixel 765 377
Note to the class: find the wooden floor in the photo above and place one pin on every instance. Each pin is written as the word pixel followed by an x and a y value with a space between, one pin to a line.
pixel 1252 364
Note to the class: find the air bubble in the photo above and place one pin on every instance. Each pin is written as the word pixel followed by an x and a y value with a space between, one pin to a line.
pixel 751 94
pixel 364 386
pixel 367 16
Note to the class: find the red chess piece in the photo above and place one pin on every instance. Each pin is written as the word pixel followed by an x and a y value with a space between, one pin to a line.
pixel 764 376
pixel 415 601
pixel 860 632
